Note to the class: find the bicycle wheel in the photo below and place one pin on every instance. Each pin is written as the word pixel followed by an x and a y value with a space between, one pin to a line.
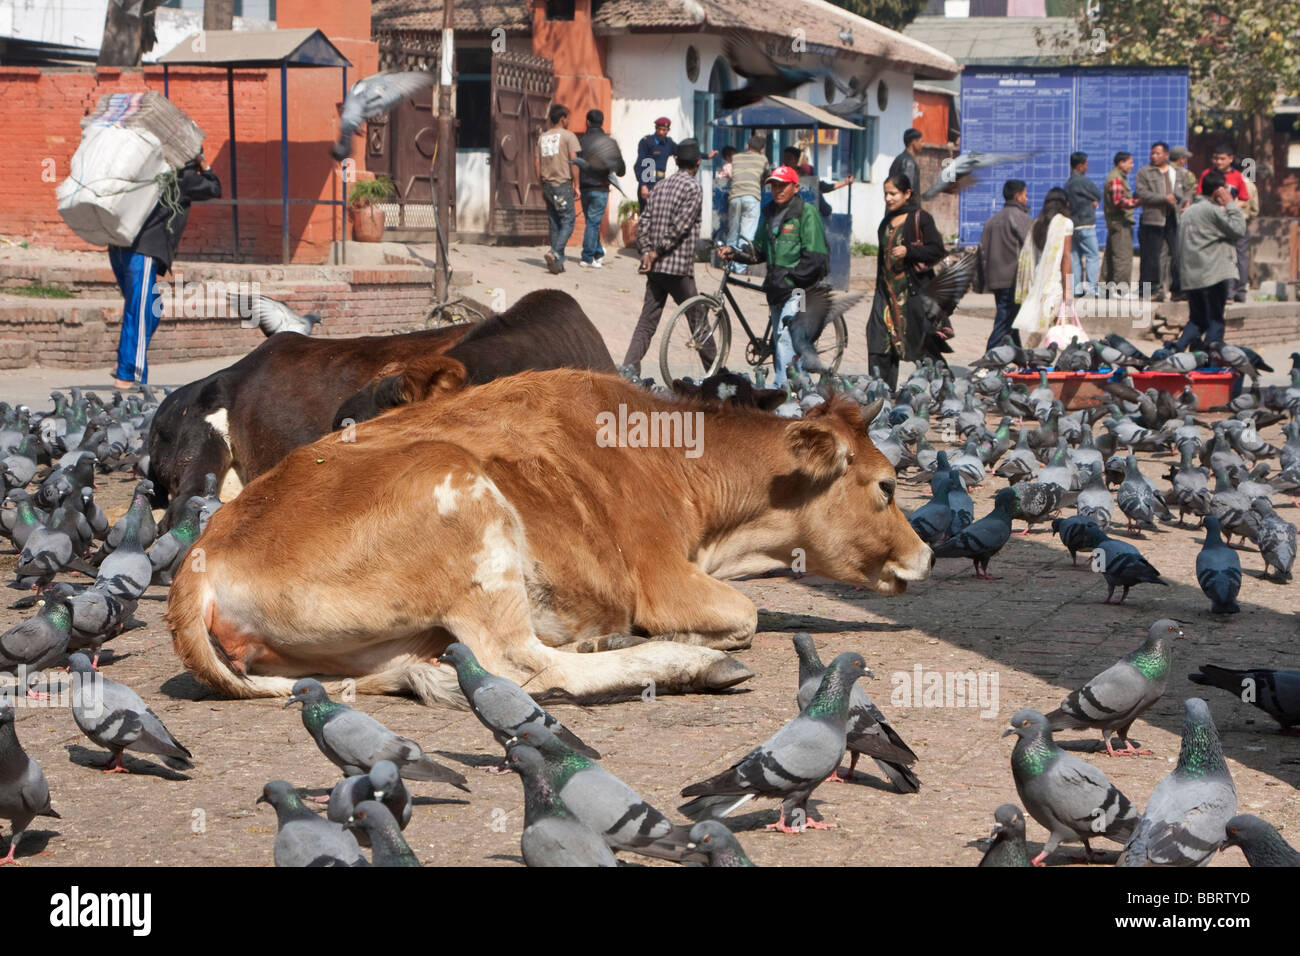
pixel 680 347
pixel 832 352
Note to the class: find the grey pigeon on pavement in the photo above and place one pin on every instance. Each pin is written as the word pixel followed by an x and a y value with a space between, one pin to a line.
pixel 382 783
pixel 1185 819
pixel 984 538
pixel 126 572
pixel 140 514
pixel 24 794
pixel 1070 797
pixel 602 801
pixel 389 847
pixel 1137 498
pixel 1122 692
pixel 304 838
pixel 1218 570
pixel 355 742
pixel 792 762
pixel 712 838
pixel 868 732
pixel 1078 533
pixel 501 705
pixel 1007 838
pixel 1122 565
pixel 372 97
pixel 1260 842
pixel 960 504
pixel 933 520
pixel 1277 540
pixel 1095 500
pixel 553 835
pixel 113 716
pixel 41 641
pixel 170 549
pixel 1276 692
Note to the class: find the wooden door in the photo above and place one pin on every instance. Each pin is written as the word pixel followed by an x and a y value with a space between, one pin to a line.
pixel 523 87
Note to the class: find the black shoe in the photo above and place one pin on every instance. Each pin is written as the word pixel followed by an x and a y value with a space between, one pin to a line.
pixel 1158 297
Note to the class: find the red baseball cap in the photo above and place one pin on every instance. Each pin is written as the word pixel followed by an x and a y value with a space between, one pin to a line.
pixel 784 174
pixel 663 121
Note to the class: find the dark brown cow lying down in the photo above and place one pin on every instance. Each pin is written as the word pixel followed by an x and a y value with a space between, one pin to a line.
pixel 288 391
pixel 526 519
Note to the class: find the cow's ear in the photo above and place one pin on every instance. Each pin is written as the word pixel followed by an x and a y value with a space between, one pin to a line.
pixel 769 399
pixel 446 375
pixel 821 451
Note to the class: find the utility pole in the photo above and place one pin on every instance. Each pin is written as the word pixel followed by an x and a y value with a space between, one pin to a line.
pixel 444 170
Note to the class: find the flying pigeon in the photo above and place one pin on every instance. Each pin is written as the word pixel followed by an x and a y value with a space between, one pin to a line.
pixel 24 794
pixel 304 838
pixel 271 315
pixel 766 76
pixel 1124 691
pixel 867 731
pixel 1007 838
pixel 115 717
pixel 792 762
pixel 372 97
pixel 1218 570
pixel 552 835
pixel 960 172
pixel 1188 812
pixel 714 840
pixel 822 306
pixel 355 742
pixel 1276 692
pixel 1260 842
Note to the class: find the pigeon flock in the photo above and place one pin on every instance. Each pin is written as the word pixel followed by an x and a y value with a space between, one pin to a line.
pixel 83 577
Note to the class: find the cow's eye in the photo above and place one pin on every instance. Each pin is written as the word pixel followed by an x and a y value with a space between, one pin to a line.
pixel 888 488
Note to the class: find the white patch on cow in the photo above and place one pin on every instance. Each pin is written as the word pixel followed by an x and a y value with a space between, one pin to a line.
pixel 483 483
pixel 446 495
pixel 231 486
pixel 496 566
pixel 726 390
pixel 220 422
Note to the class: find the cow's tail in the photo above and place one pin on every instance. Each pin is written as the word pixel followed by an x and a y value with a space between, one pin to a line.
pixel 190 610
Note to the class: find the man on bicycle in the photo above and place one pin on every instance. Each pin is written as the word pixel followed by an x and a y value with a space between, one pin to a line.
pixel 792 241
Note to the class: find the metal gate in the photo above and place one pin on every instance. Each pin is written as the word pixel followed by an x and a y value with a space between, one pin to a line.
pixel 402 144
pixel 523 87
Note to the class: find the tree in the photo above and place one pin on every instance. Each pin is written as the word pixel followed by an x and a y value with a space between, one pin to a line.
pixel 128 32
pixel 894 14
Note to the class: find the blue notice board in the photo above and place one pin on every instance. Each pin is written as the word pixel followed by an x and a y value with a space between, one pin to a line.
pixel 1054 112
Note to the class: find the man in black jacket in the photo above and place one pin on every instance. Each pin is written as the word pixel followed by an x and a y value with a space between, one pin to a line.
pixel 999 254
pixel 602 157
pixel 905 162
pixel 138 266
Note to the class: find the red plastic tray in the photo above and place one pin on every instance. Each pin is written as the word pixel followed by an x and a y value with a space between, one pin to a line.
pixel 1076 390
pixel 1211 388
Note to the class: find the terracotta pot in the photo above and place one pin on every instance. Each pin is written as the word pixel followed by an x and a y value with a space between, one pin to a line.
pixel 367 223
pixel 629 230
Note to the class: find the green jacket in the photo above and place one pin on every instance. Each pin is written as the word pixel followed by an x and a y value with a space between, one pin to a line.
pixel 792 242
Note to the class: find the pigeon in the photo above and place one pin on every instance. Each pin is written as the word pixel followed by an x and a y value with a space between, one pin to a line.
pixel 170 549
pixel 24 794
pixel 389 848
pixel 1218 571
pixel 822 306
pixel 1123 692
pixel 41 641
pixel 1277 540
pixel 552 835
pixel 969 465
pixel 52 549
pixel 501 705
pixel 792 762
pixel 766 77
pixel 984 538
pixel 355 742
pixel 960 171
pixel 373 97
pixel 1191 486
pixel 112 715
pixel 382 783
pixel 126 571
pixel 1007 838
pixel 1122 566
pixel 1036 501
pixel 1232 508
pixel 27 518
pixel 140 514
pixel 305 838
pixel 1078 533
pixel 97 617
pixel 714 840
pixel 960 504
pixel 1260 842
pixel 602 801
pixel 932 521
pixel 867 731
pixel 1071 798
pixel 271 315
pixel 1188 812
pixel 1095 501
pixel 1276 692
pixel 998 357
pixel 1137 498
pixel 1018 464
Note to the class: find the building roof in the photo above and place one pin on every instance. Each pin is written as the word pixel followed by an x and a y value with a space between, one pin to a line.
pixel 297 47
pixel 781 112
pixel 472 16
pixel 826 25
pixel 1000 40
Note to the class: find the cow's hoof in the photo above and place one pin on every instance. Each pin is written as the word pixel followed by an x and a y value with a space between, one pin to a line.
pixel 617 642
pixel 726 673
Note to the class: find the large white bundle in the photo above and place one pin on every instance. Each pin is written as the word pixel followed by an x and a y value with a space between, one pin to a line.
pixel 150 112
pixel 112 186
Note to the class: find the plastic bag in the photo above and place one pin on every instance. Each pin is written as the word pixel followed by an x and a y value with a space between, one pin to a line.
pixel 112 185
pixel 1065 328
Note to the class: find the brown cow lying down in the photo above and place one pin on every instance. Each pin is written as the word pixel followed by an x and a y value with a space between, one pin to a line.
pixel 287 392
pixel 527 519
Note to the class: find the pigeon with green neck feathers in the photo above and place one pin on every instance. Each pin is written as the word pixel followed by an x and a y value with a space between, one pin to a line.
pixel 867 731
pixel 1072 799
pixel 24 794
pixel 355 742
pixel 1007 838
pixel 127 571
pixel 1122 692
pixel 712 838
pixel 602 801
pixel 304 838
pixel 501 705
pixel 27 518
pixel 791 763
pixel 553 835
pixel 382 783
pixel 39 642
pixel 389 847
pixel 1260 842
pixel 1276 692
pixel 1188 812
pixel 171 548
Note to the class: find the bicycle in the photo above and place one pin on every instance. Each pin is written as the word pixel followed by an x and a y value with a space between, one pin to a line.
pixel 680 351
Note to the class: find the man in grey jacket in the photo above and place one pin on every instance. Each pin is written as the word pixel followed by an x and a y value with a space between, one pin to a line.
pixel 1085 253
pixel 1157 183
pixel 905 162
pixel 999 256
pixel 1207 249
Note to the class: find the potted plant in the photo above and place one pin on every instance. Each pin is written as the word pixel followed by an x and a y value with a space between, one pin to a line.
pixel 629 216
pixel 367 218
